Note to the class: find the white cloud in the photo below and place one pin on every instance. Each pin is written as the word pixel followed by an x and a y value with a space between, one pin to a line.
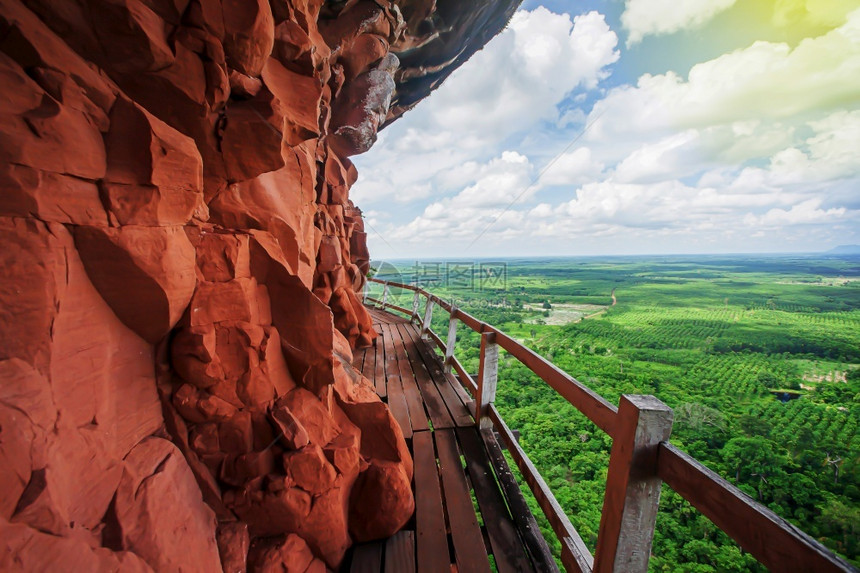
pixel 805 213
pixel 650 17
pixel 753 150
pixel 666 158
pixel 573 168
pixel 516 81
pixel 766 81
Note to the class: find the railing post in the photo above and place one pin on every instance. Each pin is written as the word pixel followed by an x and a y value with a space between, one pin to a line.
pixel 416 302
pixel 632 486
pixel 428 316
pixel 488 374
pixel 452 339
pixel 384 293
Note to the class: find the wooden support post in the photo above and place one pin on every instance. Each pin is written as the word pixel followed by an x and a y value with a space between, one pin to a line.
pixel 428 316
pixel 416 302
pixel 384 294
pixel 632 486
pixel 452 339
pixel 488 375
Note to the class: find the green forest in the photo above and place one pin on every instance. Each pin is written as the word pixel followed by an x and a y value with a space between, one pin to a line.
pixel 758 356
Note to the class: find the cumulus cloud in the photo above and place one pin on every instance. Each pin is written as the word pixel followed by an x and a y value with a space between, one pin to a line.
pixel 573 168
pixel 763 81
pixel 806 213
pixel 753 149
pixel 513 86
pixel 651 17
pixel 519 78
pixel 498 184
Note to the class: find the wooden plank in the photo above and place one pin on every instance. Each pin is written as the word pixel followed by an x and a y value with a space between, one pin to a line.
pixel 465 378
pixel 433 401
pixel 436 339
pixel 450 343
pixel 367 558
pixel 396 399
pixel 526 523
pixel 368 361
pixel 575 556
pixel 400 552
pixel 458 408
pixel 379 365
pixel 414 403
pixel 469 549
pixel 431 537
pixel 632 486
pixel 488 375
pixel 510 554
pixel 428 316
pixel 584 399
pixel 778 544
pixel 394 284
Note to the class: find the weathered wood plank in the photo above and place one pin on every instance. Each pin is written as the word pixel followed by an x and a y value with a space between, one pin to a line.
pixel 508 550
pixel 469 550
pixel 465 378
pixel 367 558
pixel 400 553
pixel 632 486
pixel 450 343
pixel 396 398
pixel 446 385
pixel 430 536
pixel 527 527
pixel 428 316
pixel 433 401
pixel 488 375
pixel 379 365
pixel 414 403
pixel 435 339
pixel 583 398
pixel 778 544
pixel 575 556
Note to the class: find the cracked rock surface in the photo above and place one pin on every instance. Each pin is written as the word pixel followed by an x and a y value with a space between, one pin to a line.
pixel 180 268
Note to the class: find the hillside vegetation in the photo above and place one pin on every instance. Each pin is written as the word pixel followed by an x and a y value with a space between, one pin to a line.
pixel 759 357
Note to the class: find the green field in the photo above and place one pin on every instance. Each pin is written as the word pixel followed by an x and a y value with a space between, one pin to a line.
pixel 717 338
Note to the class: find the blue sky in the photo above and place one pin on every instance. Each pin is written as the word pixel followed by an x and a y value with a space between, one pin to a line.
pixel 631 127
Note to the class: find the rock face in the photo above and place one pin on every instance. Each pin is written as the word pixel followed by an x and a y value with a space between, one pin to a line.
pixel 180 263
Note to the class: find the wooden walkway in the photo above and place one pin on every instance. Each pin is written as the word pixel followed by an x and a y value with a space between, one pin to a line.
pixel 469 512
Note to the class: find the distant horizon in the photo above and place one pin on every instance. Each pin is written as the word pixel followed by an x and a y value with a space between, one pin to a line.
pixel 773 254
pixel 666 254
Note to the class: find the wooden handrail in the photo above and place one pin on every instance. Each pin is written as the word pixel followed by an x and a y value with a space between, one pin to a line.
pixel 773 541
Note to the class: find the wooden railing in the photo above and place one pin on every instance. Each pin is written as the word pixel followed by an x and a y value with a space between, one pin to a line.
pixel 641 460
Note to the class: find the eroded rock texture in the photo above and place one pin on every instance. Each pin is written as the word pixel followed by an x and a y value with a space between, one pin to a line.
pixel 180 263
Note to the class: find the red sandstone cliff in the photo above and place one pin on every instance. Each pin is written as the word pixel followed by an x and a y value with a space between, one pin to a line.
pixel 180 264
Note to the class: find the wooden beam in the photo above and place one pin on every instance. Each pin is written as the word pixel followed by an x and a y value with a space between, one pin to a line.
pixel 593 405
pixel 416 301
pixel 451 342
pixel 776 543
pixel 428 316
pixel 464 377
pixel 632 486
pixel 437 340
pixel 488 375
pixel 526 524
pixel 574 554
